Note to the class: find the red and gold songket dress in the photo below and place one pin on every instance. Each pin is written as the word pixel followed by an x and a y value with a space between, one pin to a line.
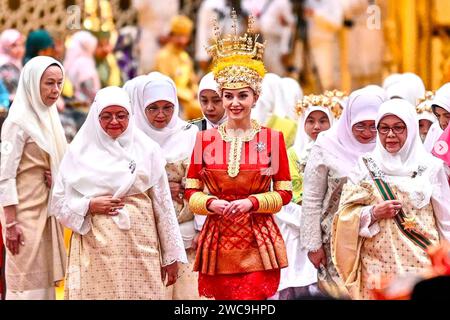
pixel 239 257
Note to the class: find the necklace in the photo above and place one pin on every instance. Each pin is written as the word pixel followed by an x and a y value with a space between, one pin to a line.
pixel 234 159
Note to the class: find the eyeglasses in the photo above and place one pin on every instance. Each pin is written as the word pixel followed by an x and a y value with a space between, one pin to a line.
pixel 167 110
pixel 395 129
pixel 108 117
pixel 361 128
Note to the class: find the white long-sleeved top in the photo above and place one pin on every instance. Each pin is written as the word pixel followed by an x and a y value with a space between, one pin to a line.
pixel 13 143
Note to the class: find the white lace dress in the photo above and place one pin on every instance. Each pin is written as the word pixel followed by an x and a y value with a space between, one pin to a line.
pixel 106 262
pixel 322 187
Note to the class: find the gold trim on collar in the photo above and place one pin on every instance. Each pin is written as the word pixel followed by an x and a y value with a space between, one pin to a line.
pixel 234 160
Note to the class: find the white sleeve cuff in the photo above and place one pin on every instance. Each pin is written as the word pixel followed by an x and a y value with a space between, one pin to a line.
pixel 366 229
pixel 8 193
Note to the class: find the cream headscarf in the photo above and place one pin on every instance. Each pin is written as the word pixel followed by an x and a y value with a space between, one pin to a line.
pixel 208 83
pixel 177 139
pixel 362 105
pixel 97 165
pixel 29 112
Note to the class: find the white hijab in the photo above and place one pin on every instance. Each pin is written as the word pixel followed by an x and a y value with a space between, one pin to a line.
pixel 131 86
pixel 362 105
pixel 391 79
pixel 399 167
pixel 271 99
pixel 303 141
pixel 441 99
pixel 97 165
pixel 208 83
pixel 409 87
pixel 177 139
pixel 29 112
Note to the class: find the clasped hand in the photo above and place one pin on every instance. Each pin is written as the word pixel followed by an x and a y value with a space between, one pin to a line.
pixel 228 209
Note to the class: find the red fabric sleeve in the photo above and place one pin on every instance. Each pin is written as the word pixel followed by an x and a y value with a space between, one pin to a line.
pixel 195 165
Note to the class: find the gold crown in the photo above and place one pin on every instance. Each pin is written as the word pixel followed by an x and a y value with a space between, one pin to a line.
pixel 313 100
pixel 237 60
pixel 421 106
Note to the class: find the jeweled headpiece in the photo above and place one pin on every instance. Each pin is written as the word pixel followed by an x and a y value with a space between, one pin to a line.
pixel 313 100
pixel 237 60
pixel 337 101
pixel 424 104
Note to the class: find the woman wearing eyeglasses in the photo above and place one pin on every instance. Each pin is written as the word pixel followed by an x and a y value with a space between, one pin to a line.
pixel 155 105
pixel 394 207
pixel 333 155
pixel 113 192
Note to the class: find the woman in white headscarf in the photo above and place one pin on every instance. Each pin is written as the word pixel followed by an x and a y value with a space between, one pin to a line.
pixel 80 66
pixel 332 156
pixel 156 109
pixel 394 206
pixel 112 191
pixel 211 104
pixel 441 109
pixel 33 144
pixel 295 280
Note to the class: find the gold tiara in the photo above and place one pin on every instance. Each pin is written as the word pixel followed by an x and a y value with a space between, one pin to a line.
pixel 313 100
pixel 337 100
pixel 237 60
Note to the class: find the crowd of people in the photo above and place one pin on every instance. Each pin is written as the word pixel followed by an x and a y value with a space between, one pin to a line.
pixel 231 187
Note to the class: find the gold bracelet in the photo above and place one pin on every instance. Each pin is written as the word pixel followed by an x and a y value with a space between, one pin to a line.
pixel 198 202
pixel 269 202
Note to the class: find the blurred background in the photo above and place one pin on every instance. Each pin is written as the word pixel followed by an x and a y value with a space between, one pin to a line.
pixel 413 34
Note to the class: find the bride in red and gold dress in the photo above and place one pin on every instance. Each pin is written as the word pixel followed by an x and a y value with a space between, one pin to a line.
pixel 239 177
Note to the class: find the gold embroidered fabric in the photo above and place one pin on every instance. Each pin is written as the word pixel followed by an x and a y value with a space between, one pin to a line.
pixel 193 184
pixel 283 185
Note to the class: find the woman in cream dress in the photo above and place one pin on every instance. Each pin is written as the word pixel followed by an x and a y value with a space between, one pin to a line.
pixel 33 144
pixel 155 105
pixel 113 193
